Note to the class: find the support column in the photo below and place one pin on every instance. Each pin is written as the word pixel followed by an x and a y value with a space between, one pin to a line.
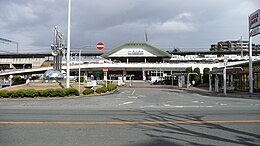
pixel 216 83
pixel 188 80
pixel 210 86
pixel 124 75
pixel 231 81
pixel 85 76
pixel 105 76
pixel 144 77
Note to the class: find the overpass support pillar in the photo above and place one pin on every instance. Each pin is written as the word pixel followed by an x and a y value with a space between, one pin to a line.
pixel 124 75
pixel 210 86
pixel 144 75
pixel 216 83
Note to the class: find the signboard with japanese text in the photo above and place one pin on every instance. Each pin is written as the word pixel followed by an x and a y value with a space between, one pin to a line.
pixel 254 19
pixel 255 31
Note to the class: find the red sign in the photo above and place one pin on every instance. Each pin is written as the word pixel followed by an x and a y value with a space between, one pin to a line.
pixel 100 46
pixel 105 69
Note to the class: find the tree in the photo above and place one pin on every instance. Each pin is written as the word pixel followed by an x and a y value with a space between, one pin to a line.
pixel 189 70
pixel 197 78
pixel 206 75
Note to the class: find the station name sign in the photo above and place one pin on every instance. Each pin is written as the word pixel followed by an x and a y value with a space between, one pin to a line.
pixel 136 52
pixel 254 19
pixel 120 75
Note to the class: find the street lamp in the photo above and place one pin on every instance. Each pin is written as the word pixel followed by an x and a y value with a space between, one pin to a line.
pixel 79 67
pixel 68 48
pixel 225 75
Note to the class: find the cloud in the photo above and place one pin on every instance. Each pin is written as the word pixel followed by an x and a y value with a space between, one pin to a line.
pixel 179 24
pixel 184 24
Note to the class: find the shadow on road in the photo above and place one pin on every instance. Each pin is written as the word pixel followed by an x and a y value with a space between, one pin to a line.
pixel 190 134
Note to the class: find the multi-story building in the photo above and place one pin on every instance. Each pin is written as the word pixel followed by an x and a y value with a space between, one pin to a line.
pixel 235 45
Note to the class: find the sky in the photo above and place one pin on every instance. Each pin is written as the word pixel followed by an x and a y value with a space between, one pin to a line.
pixel 190 25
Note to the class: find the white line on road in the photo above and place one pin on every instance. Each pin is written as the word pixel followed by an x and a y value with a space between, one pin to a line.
pixel 129 102
pixel 132 97
pixel 222 104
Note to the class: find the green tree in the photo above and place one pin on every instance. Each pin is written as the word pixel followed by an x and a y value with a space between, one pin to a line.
pixel 206 75
pixel 189 70
pixel 197 78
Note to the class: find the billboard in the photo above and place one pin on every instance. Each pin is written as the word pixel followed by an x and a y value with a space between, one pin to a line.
pixel 255 31
pixel 254 19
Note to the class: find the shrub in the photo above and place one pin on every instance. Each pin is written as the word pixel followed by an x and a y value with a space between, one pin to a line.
pixel 21 93
pixel 101 90
pixel 88 91
pixel 60 92
pixel 13 94
pixel 82 79
pixel 52 92
pixel 4 93
pixel 111 87
pixel 16 78
pixel 30 93
pixel 71 91
pixel 44 93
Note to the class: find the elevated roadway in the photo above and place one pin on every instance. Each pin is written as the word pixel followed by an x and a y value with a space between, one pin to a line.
pixel 177 67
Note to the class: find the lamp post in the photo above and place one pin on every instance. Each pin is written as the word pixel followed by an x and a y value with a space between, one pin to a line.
pixel 68 48
pixel 225 75
pixel 79 67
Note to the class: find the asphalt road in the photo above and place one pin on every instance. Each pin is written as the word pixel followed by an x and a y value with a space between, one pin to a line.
pixel 132 116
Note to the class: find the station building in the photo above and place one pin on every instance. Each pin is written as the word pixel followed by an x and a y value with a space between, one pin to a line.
pixel 139 60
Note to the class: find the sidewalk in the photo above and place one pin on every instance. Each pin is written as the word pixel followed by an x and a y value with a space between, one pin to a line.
pixel 238 94
pixel 198 90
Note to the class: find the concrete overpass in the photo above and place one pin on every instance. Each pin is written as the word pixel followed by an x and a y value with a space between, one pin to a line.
pixel 176 67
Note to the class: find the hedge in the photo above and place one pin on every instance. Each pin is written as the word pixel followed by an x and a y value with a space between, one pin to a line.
pixel 101 90
pixel 40 93
pixel 4 93
pixel 88 91
pixel 111 87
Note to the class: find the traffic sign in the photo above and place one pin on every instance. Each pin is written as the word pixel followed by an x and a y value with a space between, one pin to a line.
pixel 100 46
pixel 105 69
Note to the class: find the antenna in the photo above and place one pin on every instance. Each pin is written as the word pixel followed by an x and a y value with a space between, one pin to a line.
pixel 145 36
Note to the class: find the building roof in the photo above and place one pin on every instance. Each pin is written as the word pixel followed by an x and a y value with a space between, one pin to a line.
pixel 256 62
pixel 138 45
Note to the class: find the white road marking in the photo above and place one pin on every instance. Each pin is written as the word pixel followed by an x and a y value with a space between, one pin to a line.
pixel 132 97
pixel 167 105
pixel 195 101
pixel 222 104
pixel 129 102
pixel 179 106
pixel 147 106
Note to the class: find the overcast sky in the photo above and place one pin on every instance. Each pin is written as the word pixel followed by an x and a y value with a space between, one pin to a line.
pixel 186 24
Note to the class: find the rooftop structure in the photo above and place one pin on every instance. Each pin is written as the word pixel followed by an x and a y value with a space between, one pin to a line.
pixel 234 45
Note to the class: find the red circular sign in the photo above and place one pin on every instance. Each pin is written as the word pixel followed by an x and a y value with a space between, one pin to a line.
pixel 105 69
pixel 100 46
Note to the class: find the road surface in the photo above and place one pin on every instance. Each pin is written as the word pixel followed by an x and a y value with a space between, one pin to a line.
pixel 132 116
